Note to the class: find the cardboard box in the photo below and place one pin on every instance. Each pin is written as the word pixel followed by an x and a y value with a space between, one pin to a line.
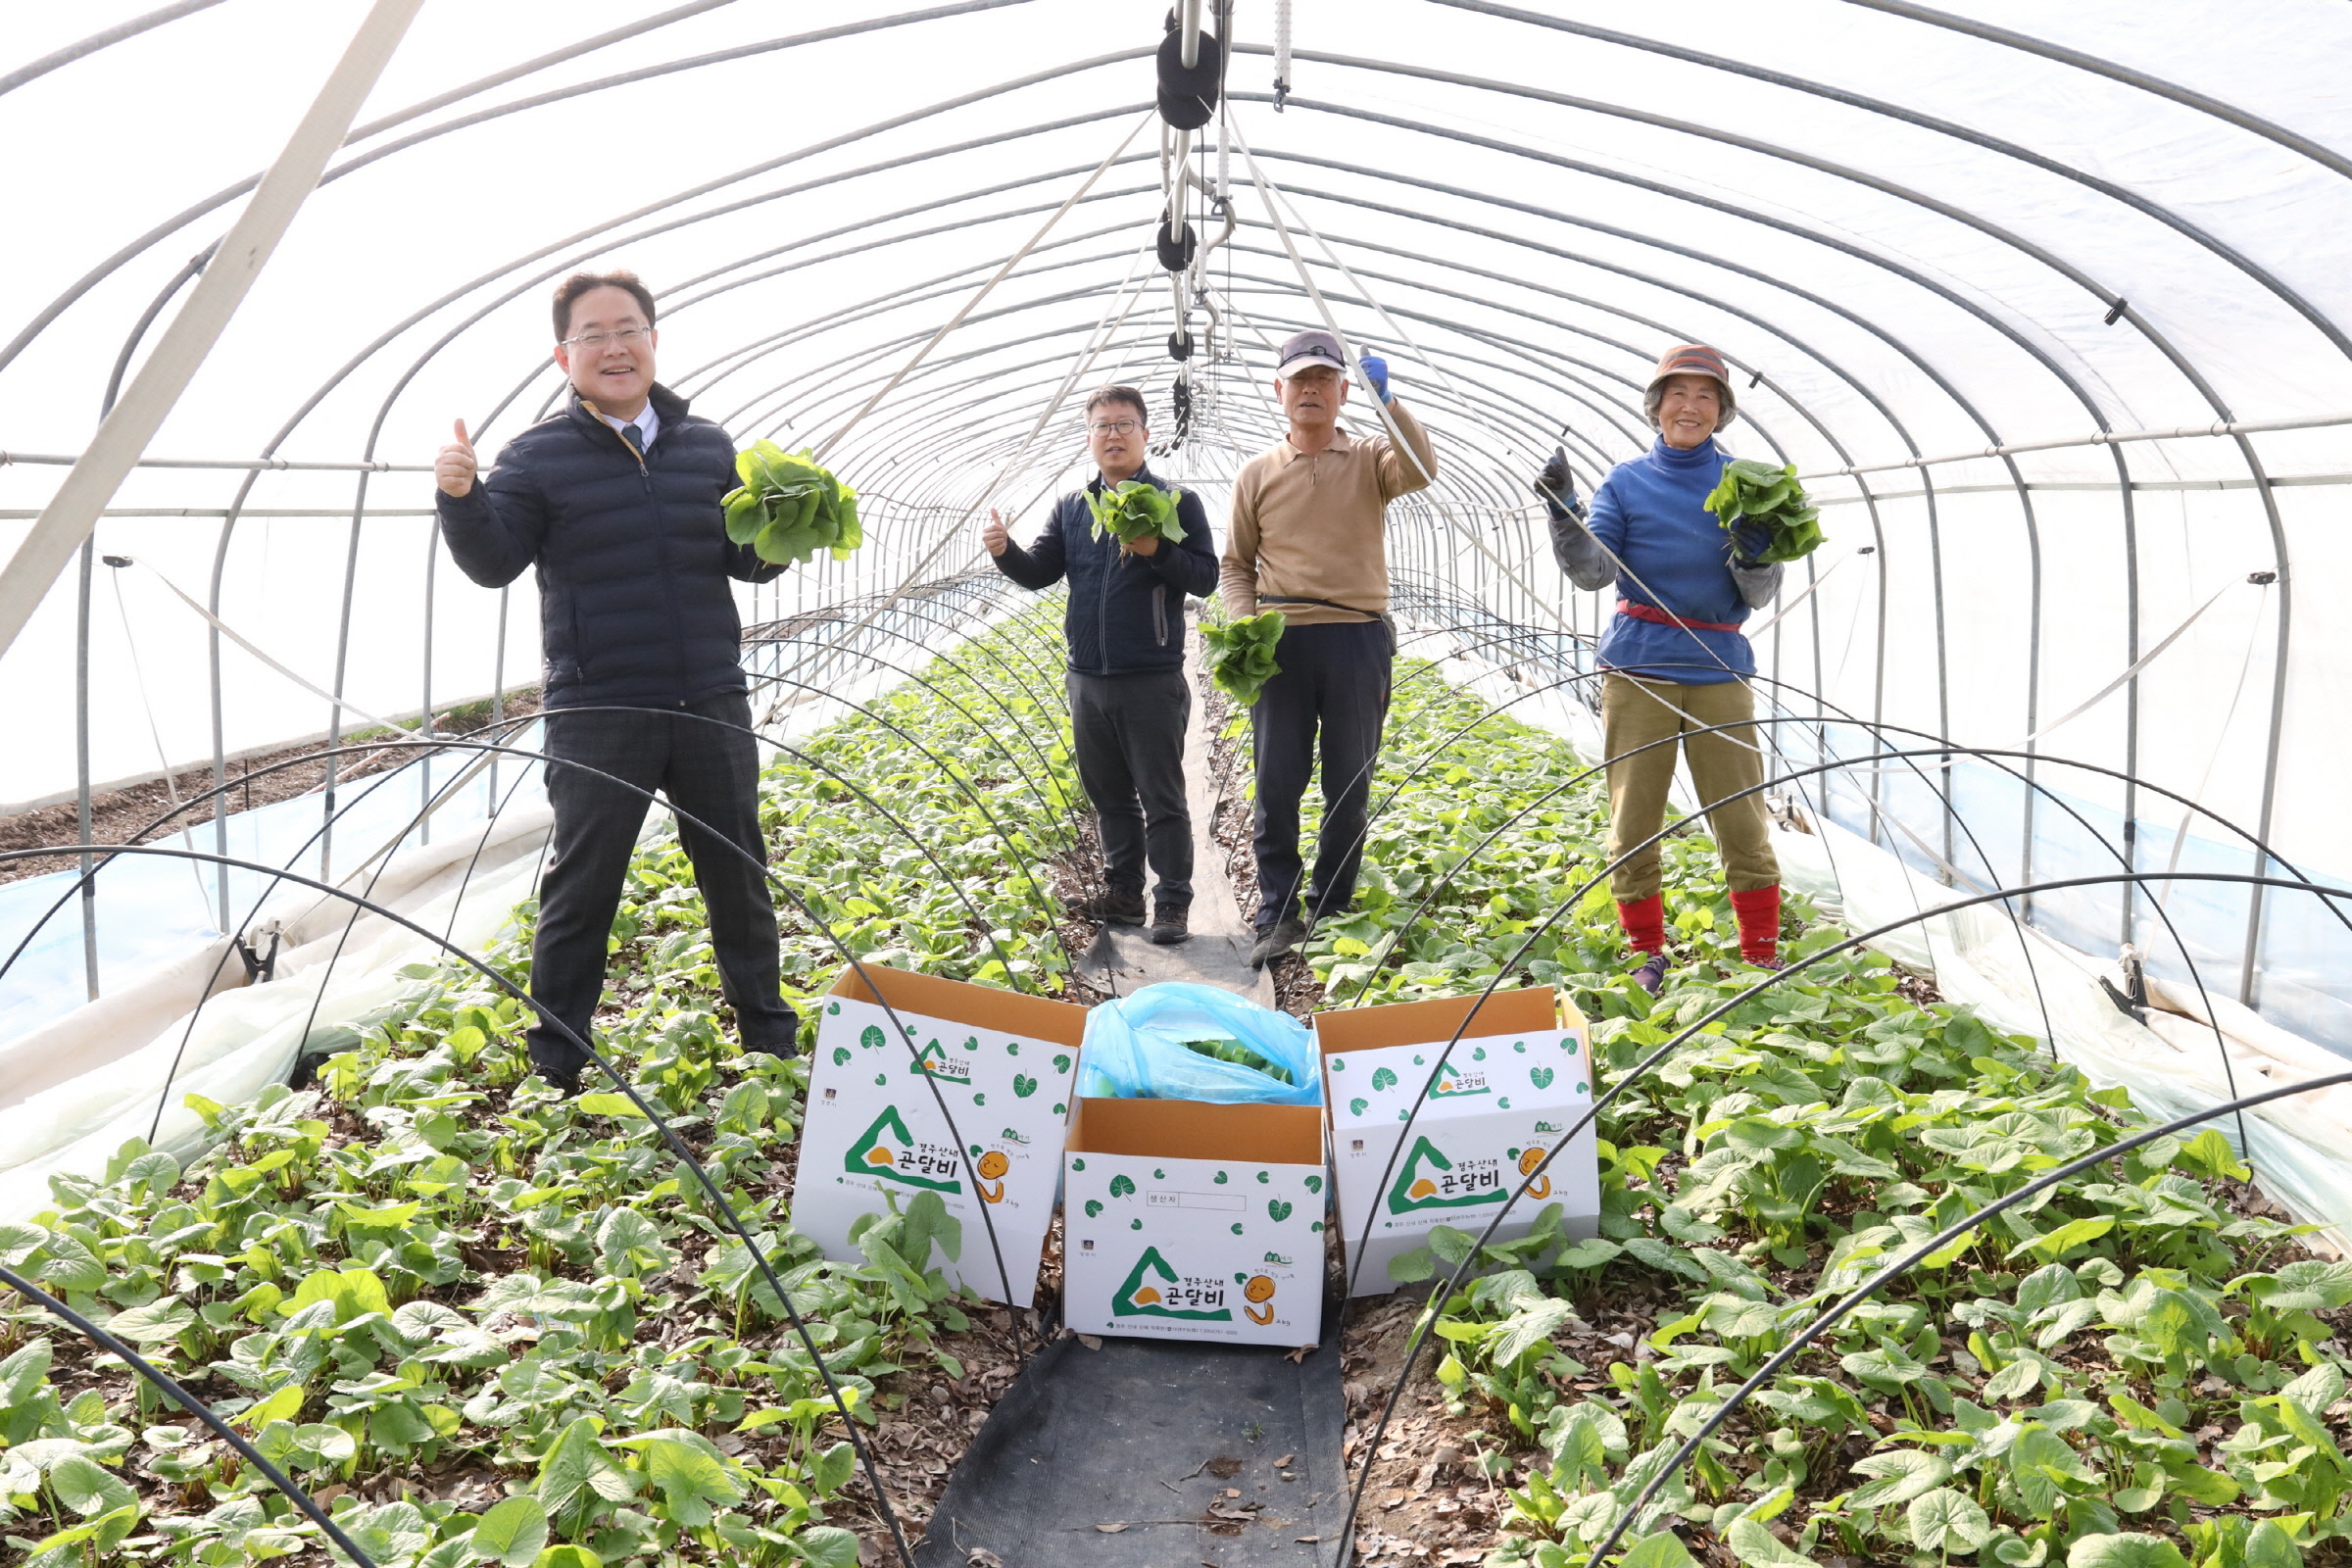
pixel 1185 1220
pixel 1003 1064
pixel 1519 1077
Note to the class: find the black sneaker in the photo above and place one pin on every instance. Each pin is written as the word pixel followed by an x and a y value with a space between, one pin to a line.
pixel 1114 908
pixel 1171 925
pixel 1283 936
pixel 567 1085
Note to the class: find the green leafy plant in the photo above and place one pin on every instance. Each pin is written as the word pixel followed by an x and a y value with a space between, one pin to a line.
pixel 1767 494
pixel 1241 654
pixel 1134 509
pixel 788 508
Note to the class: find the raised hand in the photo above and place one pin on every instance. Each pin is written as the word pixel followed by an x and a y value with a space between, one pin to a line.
pixel 993 537
pixel 455 468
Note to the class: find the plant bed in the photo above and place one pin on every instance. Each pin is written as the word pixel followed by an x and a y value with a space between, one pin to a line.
pixel 486 1324
pixel 2143 1367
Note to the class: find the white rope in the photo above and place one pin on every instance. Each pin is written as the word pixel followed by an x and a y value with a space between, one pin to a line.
pixel 234 636
pixel 827 445
pixel 1106 329
pixel 2117 684
pixel 1355 370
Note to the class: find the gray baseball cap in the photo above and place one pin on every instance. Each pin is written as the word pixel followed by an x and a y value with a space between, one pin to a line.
pixel 1304 349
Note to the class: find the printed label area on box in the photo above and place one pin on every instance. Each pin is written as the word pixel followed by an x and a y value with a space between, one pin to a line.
pixel 875 1134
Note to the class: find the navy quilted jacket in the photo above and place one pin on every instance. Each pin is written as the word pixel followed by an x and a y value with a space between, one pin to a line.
pixel 632 556
pixel 1126 612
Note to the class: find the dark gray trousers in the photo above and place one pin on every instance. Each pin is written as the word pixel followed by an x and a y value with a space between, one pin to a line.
pixel 1332 685
pixel 1128 734
pixel 706 771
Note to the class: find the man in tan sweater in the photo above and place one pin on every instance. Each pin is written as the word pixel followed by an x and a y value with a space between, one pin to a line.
pixel 1308 537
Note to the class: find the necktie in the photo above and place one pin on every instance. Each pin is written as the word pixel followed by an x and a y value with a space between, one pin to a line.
pixel 635 438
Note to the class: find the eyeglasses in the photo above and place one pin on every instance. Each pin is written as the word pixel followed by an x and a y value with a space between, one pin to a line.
pixel 626 337
pixel 1115 427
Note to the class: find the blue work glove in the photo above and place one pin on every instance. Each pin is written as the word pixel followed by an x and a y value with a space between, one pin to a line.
pixel 1376 371
pixel 1750 540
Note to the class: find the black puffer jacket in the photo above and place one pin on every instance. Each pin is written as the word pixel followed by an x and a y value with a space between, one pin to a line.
pixel 1126 612
pixel 633 559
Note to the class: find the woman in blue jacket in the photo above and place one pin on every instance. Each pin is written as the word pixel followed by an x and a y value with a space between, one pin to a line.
pixel 1676 660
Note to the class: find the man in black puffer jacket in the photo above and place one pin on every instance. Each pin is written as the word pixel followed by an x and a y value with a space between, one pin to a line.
pixel 614 501
pixel 1129 703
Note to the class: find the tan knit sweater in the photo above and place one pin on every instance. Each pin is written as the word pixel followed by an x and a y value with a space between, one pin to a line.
pixel 1310 527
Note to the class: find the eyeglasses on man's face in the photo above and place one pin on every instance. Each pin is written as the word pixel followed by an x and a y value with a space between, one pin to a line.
pixel 628 337
pixel 1115 427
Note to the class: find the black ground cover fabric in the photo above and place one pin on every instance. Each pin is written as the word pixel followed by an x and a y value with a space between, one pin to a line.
pixel 1153 1436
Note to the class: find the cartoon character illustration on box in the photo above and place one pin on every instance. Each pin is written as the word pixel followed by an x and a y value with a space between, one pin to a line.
pixel 1259 1290
pixel 993 1166
pixel 1528 1161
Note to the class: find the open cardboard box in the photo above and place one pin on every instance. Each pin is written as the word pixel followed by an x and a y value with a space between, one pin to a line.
pixel 1001 1063
pixel 1518 1078
pixel 1192 1221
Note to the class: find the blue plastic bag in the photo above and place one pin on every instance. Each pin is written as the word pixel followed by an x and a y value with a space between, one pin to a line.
pixel 1139 1048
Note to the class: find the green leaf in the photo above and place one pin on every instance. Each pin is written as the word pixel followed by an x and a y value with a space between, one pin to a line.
pixel 576 1467
pixel 88 1488
pixel 159 1322
pixel 2129 1549
pixel 513 1532
pixel 831 1470
pixel 607 1105
pixel 1901 1476
pixel 827 1546
pixel 569 1557
pixel 2269 1547
pixel 1660 1550
pixel 690 1482
pixel 1760 1548
pixel 1945 1520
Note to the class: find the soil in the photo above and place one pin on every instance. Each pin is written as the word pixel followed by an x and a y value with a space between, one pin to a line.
pixel 137 813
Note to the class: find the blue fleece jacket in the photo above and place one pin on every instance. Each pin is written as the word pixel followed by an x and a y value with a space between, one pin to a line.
pixel 1651 513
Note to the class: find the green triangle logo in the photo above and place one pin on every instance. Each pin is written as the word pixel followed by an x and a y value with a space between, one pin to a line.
pixel 1141 1298
pixel 1421 1183
pixel 888 1151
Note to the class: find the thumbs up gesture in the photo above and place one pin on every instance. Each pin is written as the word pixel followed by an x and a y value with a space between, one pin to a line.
pixel 453 468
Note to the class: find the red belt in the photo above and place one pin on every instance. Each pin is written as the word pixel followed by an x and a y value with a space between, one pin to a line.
pixel 1665 617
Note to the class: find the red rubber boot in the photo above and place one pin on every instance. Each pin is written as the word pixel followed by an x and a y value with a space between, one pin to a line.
pixel 1759 913
pixel 1645 922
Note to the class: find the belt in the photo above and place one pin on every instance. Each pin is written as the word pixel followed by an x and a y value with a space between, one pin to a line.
pixel 1667 618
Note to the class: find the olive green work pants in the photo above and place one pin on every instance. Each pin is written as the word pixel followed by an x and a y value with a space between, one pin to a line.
pixel 1636 712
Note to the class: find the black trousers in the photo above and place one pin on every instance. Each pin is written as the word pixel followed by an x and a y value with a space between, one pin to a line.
pixel 706 771
pixel 1333 681
pixel 1128 733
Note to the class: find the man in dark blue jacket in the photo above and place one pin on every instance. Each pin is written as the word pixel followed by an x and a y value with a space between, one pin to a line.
pixel 1129 703
pixel 615 502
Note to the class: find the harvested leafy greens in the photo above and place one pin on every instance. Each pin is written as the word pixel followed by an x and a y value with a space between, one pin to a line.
pixel 1760 492
pixel 1241 1055
pixel 788 508
pixel 1132 510
pixel 1241 654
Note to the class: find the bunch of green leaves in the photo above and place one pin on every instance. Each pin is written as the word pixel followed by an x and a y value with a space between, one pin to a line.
pixel 1766 495
pixel 788 508
pixel 1240 1055
pixel 1133 510
pixel 1241 654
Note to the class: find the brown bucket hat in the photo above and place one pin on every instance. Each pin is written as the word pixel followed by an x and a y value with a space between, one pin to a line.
pixel 1693 358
